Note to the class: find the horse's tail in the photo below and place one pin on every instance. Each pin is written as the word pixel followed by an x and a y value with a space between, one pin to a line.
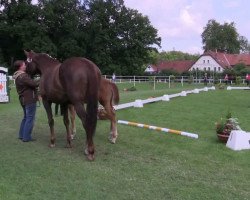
pixel 115 92
pixel 92 102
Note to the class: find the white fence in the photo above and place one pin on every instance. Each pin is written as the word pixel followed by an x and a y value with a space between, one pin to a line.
pixel 166 79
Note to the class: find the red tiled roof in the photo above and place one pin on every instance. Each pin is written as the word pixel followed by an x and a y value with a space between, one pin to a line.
pixel 178 66
pixel 229 60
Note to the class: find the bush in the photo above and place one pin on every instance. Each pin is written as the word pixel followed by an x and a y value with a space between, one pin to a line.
pixel 221 86
pixel 190 79
pixel 133 88
pixel 172 78
pixel 238 80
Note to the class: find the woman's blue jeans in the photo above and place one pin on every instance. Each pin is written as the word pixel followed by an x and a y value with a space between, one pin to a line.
pixel 27 123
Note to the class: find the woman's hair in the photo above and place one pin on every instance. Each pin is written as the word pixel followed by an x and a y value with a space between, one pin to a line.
pixel 18 64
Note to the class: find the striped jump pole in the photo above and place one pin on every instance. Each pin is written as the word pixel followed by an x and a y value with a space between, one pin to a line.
pixel 183 133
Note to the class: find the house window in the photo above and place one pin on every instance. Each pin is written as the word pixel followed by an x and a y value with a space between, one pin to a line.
pixel 205 69
pixel 203 61
pixel 219 69
pixel 208 68
pixel 207 61
pixel 215 69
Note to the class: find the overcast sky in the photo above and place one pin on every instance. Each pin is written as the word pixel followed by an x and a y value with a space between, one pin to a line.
pixel 181 22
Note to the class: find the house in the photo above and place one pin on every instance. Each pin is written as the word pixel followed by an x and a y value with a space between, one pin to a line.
pixel 208 61
pixel 178 66
pixel 218 61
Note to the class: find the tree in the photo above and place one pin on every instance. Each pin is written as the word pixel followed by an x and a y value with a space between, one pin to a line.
pixel 224 38
pixel 64 20
pixel 20 29
pixel 245 46
pixel 119 38
pixel 116 38
pixel 176 55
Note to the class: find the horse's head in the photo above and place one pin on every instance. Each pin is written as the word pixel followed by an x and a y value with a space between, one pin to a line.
pixel 31 63
pixel 38 63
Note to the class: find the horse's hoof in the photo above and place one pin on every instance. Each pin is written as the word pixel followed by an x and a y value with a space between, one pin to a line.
pixel 69 146
pixel 86 152
pixel 52 145
pixel 112 140
pixel 72 136
pixel 90 157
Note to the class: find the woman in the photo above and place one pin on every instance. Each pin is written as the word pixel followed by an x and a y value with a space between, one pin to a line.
pixel 26 89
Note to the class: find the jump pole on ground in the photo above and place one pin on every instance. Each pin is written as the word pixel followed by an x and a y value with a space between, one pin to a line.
pixel 167 130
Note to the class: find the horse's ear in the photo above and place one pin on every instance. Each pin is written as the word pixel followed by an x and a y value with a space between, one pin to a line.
pixel 29 55
pixel 26 53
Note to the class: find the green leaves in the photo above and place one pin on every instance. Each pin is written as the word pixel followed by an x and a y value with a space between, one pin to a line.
pixel 116 38
pixel 223 38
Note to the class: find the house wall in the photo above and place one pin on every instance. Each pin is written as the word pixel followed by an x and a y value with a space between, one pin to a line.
pixel 206 63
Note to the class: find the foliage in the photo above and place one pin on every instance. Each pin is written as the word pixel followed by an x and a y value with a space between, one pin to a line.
pixel 190 79
pixel 171 56
pixel 176 55
pixel 168 72
pixel 225 125
pixel 113 36
pixel 133 88
pixel 172 78
pixel 223 37
pixel 221 86
pixel 238 80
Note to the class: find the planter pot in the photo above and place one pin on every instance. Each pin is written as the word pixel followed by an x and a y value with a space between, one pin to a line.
pixel 223 138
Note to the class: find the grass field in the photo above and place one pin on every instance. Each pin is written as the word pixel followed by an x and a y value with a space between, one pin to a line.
pixel 143 164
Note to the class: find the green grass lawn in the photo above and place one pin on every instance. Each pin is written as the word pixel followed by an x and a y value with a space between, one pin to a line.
pixel 143 164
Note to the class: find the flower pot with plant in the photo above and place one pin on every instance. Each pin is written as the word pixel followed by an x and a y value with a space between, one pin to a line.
pixel 224 127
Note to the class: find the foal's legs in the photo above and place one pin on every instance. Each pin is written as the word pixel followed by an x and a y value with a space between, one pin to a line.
pixel 64 109
pixel 47 106
pixel 110 113
pixel 72 113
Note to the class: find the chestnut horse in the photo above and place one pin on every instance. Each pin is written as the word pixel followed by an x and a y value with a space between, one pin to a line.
pixel 75 81
pixel 108 96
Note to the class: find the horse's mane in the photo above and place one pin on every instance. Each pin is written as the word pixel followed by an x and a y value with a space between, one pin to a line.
pixel 47 56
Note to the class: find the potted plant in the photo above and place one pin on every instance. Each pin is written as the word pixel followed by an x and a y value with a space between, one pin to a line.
pixel 224 127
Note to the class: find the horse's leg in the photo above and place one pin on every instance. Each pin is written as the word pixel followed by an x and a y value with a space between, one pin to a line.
pixel 64 110
pixel 47 106
pixel 89 120
pixel 72 120
pixel 113 126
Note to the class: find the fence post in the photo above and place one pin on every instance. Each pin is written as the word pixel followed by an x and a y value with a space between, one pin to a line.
pixel 154 82
pixel 169 82
pixel 134 81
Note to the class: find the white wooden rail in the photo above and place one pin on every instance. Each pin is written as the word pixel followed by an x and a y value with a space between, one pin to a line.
pixel 139 103
pixel 238 88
